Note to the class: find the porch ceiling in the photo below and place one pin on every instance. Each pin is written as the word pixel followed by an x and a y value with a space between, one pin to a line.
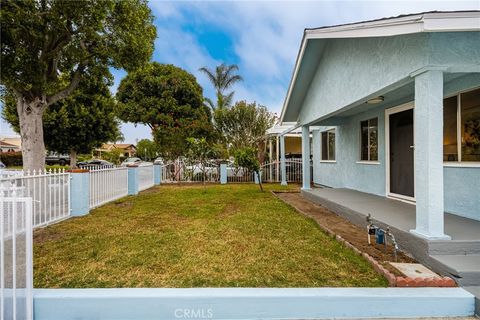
pixel 394 97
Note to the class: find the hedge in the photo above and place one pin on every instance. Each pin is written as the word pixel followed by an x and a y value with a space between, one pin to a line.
pixel 11 159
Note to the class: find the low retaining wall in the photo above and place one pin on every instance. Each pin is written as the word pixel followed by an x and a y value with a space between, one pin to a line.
pixel 251 303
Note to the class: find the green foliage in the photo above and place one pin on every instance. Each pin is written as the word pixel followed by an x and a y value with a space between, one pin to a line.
pixel 243 125
pixel 147 149
pixel 44 39
pixel 200 149
pixel 247 158
pixel 170 101
pixel 11 159
pixel 222 78
pixel 113 156
pixel 79 123
pixel 49 46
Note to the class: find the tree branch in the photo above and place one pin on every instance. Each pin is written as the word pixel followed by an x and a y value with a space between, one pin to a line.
pixel 69 89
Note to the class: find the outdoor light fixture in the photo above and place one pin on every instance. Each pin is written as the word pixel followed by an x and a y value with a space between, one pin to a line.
pixel 376 100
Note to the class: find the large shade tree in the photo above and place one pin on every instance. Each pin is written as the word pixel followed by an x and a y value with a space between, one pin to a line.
pixel 47 46
pixel 169 100
pixel 79 123
pixel 244 125
pixel 222 78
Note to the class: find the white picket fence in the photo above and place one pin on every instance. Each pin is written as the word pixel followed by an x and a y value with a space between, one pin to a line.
pixel 49 190
pixel 271 172
pixel 145 177
pixel 107 184
pixel 16 263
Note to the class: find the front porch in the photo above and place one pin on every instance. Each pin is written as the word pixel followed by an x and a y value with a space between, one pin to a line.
pixel 459 257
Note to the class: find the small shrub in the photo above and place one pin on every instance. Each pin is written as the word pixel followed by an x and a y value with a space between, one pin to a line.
pixel 11 159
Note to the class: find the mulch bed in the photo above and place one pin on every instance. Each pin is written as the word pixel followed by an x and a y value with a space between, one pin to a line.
pixel 356 238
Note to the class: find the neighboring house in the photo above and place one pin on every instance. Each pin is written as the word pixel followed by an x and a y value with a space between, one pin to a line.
pixel 8 147
pixel 10 143
pixel 393 106
pixel 128 150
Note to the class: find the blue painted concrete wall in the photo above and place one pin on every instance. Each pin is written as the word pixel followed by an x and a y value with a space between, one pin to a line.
pixel 251 303
pixel 79 193
pixel 462 191
pixel 132 180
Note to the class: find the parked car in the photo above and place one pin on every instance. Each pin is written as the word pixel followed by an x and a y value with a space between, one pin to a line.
pixel 54 158
pixel 132 160
pixel 158 161
pixel 95 163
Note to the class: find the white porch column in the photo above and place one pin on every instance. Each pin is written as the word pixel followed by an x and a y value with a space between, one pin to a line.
pixel 306 157
pixel 428 155
pixel 270 158
pixel 277 159
pixel 282 161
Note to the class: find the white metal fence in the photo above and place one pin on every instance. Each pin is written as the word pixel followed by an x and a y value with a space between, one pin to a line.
pixel 271 172
pixel 191 171
pixel 16 262
pixel 145 177
pixel 50 191
pixel 107 184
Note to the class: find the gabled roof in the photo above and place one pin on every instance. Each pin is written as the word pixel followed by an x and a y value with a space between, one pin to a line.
pixel 433 21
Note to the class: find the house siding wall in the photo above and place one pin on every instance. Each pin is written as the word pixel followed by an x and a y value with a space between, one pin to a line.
pixel 352 70
pixel 461 184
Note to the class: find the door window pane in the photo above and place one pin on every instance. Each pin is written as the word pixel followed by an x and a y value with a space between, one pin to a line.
pixel 450 151
pixel 324 146
pixel 470 125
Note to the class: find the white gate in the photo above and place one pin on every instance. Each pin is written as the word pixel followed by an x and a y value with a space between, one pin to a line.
pixel 191 171
pixel 16 262
pixel 50 191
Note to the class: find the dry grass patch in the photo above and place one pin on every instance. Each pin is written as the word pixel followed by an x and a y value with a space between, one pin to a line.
pixel 195 236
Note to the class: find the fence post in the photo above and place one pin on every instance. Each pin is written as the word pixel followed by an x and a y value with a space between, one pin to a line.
pixel 257 177
pixel 157 173
pixel 132 180
pixel 79 192
pixel 223 173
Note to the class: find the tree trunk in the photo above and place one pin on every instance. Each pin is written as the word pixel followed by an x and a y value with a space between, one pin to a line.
pixel 31 131
pixel 73 159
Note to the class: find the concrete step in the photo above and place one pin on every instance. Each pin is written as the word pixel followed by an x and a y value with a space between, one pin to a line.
pixel 476 292
pixel 454 247
pixel 465 268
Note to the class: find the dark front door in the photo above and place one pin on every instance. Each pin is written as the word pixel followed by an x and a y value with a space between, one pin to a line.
pixel 401 153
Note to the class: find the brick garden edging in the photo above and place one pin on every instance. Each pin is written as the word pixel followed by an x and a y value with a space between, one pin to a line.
pixel 393 280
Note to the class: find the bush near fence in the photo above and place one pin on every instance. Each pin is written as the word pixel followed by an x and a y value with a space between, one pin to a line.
pixel 11 159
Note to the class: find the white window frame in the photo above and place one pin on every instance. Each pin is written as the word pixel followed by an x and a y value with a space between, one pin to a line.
pixel 328 151
pixel 459 162
pixel 368 161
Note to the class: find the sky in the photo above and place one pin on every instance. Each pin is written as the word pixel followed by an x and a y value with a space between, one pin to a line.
pixel 261 37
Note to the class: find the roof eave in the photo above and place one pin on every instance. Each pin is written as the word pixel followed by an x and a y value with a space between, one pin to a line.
pixel 416 23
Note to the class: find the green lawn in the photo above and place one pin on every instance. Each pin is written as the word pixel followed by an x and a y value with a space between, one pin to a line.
pixel 194 236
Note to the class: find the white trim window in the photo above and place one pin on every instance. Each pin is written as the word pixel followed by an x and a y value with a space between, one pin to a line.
pixel 461 127
pixel 369 140
pixel 328 145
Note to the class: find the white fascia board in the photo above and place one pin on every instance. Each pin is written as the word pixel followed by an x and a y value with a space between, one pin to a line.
pixel 294 75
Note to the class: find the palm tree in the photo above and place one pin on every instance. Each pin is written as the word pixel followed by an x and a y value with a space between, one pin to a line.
pixel 222 78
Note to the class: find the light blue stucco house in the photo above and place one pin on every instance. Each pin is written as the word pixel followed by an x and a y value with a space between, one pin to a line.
pixel 393 108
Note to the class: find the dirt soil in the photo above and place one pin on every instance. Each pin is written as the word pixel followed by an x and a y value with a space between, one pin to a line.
pixel 340 226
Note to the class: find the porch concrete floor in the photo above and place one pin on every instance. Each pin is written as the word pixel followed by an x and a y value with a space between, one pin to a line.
pixel 395 213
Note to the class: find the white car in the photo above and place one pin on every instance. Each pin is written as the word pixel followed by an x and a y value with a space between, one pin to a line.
pixel 132 160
